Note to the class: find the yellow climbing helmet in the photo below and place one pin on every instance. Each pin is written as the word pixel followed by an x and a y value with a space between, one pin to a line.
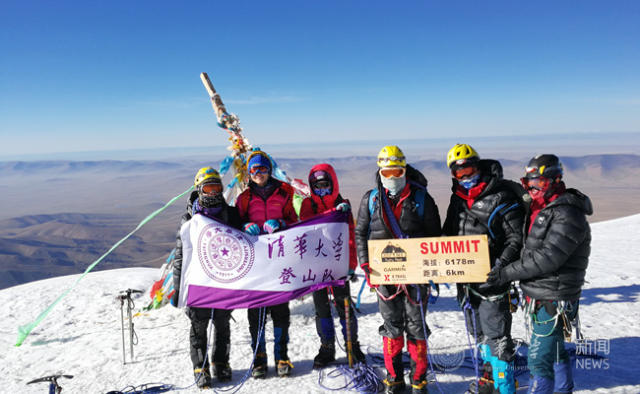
pixel 461 154
pixel 390 156
pixel 206 175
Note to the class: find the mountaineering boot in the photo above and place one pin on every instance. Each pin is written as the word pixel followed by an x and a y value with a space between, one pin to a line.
pixel 503 376
pixel 326 354
pixel 563 382
pixel 259 370
pixel 203 377
pixel 394 385
pixel 485 382
pixel 284 368
pixel 358 356
pixel 540 385
pixel 392 350
pixel 222 371
pixel 419 387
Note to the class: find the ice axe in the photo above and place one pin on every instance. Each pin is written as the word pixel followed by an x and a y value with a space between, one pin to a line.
pixel 54 387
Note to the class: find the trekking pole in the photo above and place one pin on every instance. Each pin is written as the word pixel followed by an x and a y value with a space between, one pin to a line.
pixel 347 315
pixel 129 302
pixel 126 295
pixel 124 359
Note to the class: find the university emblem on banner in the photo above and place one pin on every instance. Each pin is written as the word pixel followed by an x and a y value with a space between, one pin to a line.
pixel 225 255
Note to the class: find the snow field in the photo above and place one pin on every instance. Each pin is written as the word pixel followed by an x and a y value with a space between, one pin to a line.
pixel 82 335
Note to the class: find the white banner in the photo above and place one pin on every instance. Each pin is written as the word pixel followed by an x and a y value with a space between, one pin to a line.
pixel 226 268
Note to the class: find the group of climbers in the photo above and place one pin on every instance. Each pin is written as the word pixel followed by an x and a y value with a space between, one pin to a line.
pixel 537 232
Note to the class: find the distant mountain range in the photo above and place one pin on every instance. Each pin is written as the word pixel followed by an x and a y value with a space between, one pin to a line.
pixel 57 217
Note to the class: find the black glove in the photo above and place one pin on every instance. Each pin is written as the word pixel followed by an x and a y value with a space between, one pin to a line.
pixel 495 278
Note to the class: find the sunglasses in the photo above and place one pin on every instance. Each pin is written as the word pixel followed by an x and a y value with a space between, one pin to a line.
pixel 396 172
pixel 540 183
pixel 259 170
pixel 211 188
pixel 463 172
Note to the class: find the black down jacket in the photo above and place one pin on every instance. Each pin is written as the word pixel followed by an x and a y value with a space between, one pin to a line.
pixel 556 250
pixel 373 226
pixel 228 215
pixel 497 212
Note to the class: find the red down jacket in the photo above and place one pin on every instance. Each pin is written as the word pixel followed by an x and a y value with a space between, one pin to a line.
pixel 315 205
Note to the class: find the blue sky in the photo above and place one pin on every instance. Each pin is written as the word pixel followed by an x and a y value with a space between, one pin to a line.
pixel 92 75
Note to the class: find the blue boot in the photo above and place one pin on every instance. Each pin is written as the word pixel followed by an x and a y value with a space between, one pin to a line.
pixel 563 378
pixel 485 353
pixel 540 385
pixel 503 376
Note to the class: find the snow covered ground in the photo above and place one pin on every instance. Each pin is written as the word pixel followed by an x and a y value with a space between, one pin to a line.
pixel 82 336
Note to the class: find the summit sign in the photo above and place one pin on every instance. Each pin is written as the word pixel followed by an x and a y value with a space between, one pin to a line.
pixel 461 259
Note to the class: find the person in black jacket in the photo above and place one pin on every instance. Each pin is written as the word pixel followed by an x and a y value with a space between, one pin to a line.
pixel 483 202
pixel 207 200
pixel 399 207
pixel 551 270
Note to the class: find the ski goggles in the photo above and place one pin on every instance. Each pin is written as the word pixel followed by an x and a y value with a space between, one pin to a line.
pixel 391 160
pixel 211 188
pixel 255 170
pixel 539 183
pixel 321 184
pixel 464 172
pixel 396 172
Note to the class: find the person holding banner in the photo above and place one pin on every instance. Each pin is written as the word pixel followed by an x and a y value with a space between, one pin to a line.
pixel 206 200
pixel 325 196
pixel 399 207
pixel 551 270
pixel 483 202
pixel 265 207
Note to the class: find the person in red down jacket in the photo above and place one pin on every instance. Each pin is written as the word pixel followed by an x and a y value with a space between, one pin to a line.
pixel 325 197
pixel 265 207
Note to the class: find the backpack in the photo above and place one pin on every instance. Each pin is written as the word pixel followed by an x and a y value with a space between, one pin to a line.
pixel 503 208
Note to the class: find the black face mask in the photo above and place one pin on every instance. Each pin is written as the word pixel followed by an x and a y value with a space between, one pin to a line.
pixel 210 201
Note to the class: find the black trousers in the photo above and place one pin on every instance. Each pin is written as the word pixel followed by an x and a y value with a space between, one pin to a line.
pixel 402 314
pixel 198 335
pixel 281 317
pixel 492 325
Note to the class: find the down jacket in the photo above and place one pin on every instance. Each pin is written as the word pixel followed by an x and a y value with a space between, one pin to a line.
pixel 497 212
pixel 375 227
pixel 314 205
pixel 277 205
pixel 556 250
